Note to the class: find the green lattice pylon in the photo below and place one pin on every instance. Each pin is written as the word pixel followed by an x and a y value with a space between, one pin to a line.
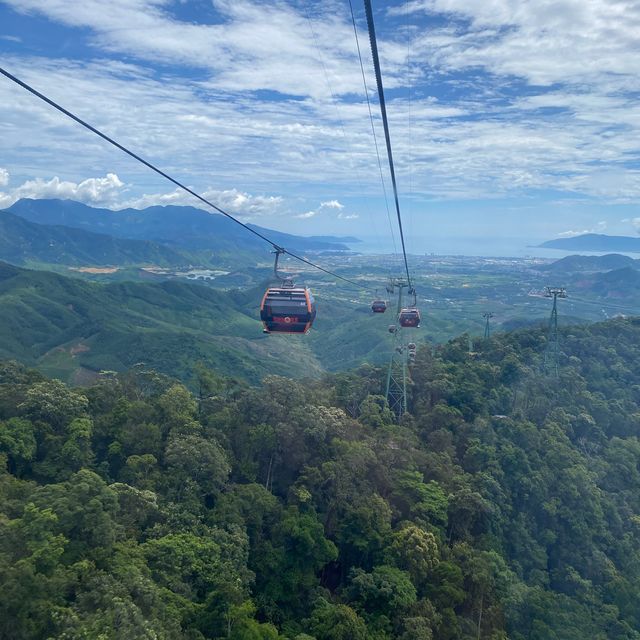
pixel 487 326
pixel 552 351
pixel 396 392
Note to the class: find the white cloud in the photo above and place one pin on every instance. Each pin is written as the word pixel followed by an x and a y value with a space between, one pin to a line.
pixel 251 46
pixel 237 203
pixel 534 97
pixel 571 234
pixel 327 205
pixel 109 192
pixel 600 227
pixel 93 191
pixel 564 41
pixel 331 204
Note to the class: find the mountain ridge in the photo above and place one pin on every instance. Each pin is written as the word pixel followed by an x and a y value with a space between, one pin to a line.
pixel 583 264
pixel 182 226
pixel 70 327
pixel 594 242
pixel 23 241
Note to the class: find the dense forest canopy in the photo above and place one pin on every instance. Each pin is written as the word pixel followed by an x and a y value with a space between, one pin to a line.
pixel 505 505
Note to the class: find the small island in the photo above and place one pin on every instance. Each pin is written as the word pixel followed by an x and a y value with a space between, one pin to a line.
pixel 595 242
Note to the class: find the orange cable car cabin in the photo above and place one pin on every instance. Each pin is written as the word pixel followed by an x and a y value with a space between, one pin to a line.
pixel 287 310
pixel 409 318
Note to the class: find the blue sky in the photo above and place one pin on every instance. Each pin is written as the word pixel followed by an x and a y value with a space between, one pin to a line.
pixel 509 118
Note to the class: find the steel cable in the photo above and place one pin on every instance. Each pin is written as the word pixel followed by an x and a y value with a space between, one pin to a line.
pixel 179 184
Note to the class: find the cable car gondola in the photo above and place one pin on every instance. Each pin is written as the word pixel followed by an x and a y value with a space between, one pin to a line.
pixel 410 316
pixel 378 306
pixel 287 309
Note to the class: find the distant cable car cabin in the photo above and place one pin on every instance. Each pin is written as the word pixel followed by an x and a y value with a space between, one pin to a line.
pixel 378 306
pixel 410 316
pixel 287 309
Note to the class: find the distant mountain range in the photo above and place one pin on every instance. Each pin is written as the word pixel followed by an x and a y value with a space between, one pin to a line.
pixel 24 242
pixel 589 264
pixel 612 276
pixel 618 284
pixel 595 242
pixel 184 228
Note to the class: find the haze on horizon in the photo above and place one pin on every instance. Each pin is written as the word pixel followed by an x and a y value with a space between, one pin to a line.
pixel 507 119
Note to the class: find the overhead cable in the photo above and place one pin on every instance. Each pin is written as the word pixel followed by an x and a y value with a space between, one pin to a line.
pixel 383 109
pixel 179 184
pixel 373 128
pixel 340 121
pixel 411 208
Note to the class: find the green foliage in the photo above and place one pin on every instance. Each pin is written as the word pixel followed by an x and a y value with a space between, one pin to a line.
pixel 17 439
pixel 385 591
pixel 336 622
pixel 76 330
pixel 53 403
pixel 23 242
pixel 414 550
pixel 505 505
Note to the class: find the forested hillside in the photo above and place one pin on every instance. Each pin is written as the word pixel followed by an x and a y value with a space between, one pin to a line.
pixel 187 227
pixel 507 505
pixel 73 329
pixel 24 242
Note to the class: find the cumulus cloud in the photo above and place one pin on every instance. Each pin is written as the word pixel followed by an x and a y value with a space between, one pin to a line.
pixel 251 45
pixel 93 191
pixel 327 205
pixel 600 227
pixel 531 101
pixel 331 204
pixel 109 192
pixel 233 201
pixel 577 41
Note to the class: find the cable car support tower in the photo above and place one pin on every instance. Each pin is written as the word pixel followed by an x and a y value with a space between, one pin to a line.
pixel 487 326
pixel 396 391
pixel 552 351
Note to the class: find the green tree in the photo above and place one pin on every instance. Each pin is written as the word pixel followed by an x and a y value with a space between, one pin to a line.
pixel 414 550
pixel 385 591
pixel 336 622
pixel 77 448
pixel 17 439
pixel 287 568
pixel 51 402
pixel 195 463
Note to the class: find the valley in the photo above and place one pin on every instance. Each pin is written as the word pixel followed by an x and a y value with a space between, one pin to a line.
pixel 92 303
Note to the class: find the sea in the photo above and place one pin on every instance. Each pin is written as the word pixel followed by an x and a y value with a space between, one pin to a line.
pixel 497 247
